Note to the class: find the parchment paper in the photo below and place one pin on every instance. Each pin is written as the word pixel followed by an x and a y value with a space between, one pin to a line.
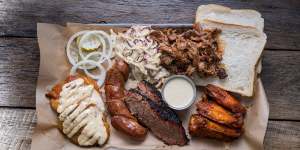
pixel 54 67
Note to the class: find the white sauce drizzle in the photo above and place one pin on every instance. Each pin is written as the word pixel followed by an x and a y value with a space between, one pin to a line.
pixel 81 107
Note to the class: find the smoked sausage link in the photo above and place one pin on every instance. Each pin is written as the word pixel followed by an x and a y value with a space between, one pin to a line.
pixel 121 118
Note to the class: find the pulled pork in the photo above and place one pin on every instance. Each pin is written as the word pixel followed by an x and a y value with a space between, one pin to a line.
pixel 185 51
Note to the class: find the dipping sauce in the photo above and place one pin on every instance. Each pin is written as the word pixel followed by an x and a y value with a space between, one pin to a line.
pixel 179 92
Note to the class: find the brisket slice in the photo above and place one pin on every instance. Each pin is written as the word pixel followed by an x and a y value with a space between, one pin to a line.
pixel 150 91
pixel 164 123
pixel 165 112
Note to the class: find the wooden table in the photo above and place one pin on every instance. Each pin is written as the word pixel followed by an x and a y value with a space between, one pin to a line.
pixel 19 55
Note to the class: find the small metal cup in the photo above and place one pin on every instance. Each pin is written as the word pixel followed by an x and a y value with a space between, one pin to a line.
pixel 187 79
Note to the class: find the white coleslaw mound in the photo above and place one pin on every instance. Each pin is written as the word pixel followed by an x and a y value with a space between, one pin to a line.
pixel 140 51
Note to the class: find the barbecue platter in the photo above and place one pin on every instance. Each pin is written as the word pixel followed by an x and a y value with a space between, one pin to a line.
pixel 172 69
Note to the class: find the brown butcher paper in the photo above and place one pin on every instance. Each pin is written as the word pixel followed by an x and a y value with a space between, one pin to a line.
pixel 54 67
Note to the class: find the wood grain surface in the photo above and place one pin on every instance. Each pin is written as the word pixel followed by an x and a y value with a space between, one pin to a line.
pixel 19 17
pixel 281 80
pixel 19 66
pixel 19 55
pixel 16 128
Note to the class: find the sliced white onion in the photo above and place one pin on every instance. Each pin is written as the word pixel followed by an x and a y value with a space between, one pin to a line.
pixel 100 82
pixel 103 59
pixel 85 62
pixel 107 63
pixel 103 36
pixel 68 47
pixel 99 77
pixel 81 53
pixel 107 37
pixel 96 77
pixel 87 57
pixel 113 37
pixel 89 41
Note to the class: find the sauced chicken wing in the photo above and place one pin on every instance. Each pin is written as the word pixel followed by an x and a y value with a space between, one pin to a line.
pixel 224 99
pixel 202 127
pixel 215 112
pixel 219 115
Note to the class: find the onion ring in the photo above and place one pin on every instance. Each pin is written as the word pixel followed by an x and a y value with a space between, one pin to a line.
pixel 87 34
pixel 98 77
pixel 108 51
pixel 71 39
pixel 100 61
pixel 109 63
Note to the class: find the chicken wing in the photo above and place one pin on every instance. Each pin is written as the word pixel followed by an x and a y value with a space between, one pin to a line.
pixel 215 112
pixel 202 127
pixel 224 99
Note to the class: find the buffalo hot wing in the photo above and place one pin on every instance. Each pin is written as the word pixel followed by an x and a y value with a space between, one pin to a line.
pixel 219 116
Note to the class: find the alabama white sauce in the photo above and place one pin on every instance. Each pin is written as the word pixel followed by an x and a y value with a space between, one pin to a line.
pixel 81 107
pixel 178 93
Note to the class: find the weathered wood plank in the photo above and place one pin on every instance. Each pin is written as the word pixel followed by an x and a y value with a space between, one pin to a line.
pixel 19 62
pixel 16 127
pixel 18 18
pixel 19 65
pixel 281 80
pixel 282 135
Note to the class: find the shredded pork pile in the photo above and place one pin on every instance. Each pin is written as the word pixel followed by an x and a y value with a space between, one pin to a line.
pixel 186 51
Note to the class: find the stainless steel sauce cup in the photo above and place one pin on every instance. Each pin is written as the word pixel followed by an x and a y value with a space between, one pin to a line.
pixel 187 79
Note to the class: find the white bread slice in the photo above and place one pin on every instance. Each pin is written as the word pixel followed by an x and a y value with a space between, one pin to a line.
pixel 221 14
pixel 242 41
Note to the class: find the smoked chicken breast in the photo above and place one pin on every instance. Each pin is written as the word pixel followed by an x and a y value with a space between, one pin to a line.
pixel 81 111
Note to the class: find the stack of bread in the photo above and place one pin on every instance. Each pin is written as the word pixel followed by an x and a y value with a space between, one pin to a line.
pixel 242 41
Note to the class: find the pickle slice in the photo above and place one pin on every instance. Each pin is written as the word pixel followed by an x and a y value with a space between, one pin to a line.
pixel 89 41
